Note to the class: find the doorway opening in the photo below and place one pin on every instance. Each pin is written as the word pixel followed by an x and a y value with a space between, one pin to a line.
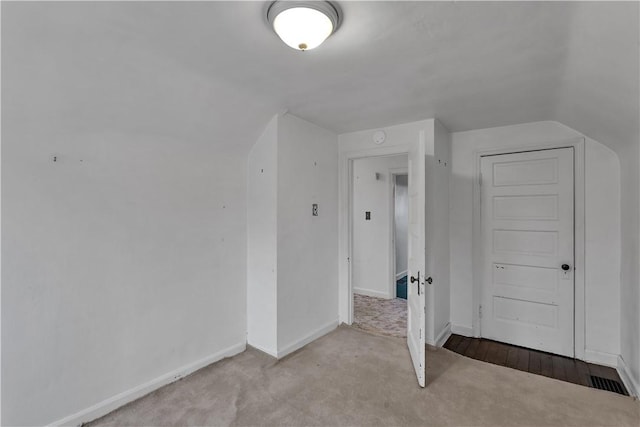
pixel 400 231
pixel 379 217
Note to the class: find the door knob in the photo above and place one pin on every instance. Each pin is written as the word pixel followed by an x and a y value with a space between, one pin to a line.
pixel 429 280
pixel 566 267
pixel 416 280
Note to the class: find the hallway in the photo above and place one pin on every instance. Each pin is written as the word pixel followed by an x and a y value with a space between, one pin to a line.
pixel 380 316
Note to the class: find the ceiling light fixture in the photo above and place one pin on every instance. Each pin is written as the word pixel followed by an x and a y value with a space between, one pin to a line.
pixel 303 25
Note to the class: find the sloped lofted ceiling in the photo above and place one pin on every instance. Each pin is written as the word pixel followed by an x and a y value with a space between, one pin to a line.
pixel 215 72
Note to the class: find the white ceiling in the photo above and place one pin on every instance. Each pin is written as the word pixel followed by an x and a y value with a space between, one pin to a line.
pixel 214 71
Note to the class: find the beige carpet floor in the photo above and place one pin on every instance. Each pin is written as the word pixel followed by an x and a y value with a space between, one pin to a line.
pixel 352 378
pixel 380 316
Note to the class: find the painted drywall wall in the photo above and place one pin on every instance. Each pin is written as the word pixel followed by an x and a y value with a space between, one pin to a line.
pixel 292 284
pixel 401 222
pixel 307 245
pixel 600 97
pixel 440 248
pixel 603 250
pixel 372 239
pixel 602 221
pixel 630 282
pixel 125 259
pixel 262 241
pixel 438 169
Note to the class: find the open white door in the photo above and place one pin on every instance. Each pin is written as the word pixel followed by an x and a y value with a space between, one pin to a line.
pixel 417 257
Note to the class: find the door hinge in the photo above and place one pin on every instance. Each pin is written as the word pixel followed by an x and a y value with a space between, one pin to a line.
pixel 420 334
pixel 480 311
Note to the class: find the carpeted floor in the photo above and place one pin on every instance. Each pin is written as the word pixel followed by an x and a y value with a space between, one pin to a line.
pixel 352 378
pixel 380 316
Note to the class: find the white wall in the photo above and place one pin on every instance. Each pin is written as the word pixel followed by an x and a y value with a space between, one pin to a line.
pixel 603 250
pixel 440 249
pixel 372 239
pixel 401 222
pixel 630 289
pixel 124 262
pixel 599 97
pixel 307 245
pixel 262 241
pixel 602 221
pixel 292 266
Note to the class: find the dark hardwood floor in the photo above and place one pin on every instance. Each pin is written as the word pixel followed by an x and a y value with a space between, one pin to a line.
pixel 535 362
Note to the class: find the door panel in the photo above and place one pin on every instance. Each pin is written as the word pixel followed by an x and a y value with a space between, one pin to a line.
pixel 527 208
pixel 523 172
pixel 417 258
pixel 525 242
pixel 520 208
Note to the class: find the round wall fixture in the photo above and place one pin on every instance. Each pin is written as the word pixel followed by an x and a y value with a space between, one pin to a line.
pixel 379 137
pixel 303 25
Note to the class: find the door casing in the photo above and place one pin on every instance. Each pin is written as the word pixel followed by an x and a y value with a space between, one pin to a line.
pixel 579 234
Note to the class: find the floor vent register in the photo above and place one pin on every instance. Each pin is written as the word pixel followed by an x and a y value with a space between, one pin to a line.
pixel 608 385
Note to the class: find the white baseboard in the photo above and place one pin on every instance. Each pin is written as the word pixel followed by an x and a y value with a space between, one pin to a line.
pixel 462 330
pixel 444 335
pixel 307 339
pixel 601 358
pixel 103 408
pixel 371 293
pixel 401 275
pixel 632 384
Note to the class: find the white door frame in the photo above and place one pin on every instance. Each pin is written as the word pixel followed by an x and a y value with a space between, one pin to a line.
pixel 393 173
pixel 579 234
pixel 345 232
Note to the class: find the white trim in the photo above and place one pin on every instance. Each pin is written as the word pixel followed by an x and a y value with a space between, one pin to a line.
pixel 1 423
pixel 601 358
pixel 103 408
pixel 443 336
pixel 307 339
pixel 465 331
pixel 401 275
pixel 345 219
pixel 632 385
pixel 577 143
pixel 371 293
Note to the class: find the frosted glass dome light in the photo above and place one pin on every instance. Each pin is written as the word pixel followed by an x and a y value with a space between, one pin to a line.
pixel 303 25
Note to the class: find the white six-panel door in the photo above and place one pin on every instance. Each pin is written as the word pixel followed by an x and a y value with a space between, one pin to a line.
pixel 527 216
